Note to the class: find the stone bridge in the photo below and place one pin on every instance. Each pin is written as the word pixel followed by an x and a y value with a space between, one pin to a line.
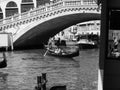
pixel 34 27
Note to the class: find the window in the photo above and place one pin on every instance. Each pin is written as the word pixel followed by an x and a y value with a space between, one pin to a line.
pixel 27 0
pixel 11 4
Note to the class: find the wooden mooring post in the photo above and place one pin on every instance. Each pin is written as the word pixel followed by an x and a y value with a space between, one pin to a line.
pixel 44 81
pixel 41 82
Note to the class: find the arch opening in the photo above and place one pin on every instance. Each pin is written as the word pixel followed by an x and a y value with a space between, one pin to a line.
pixel 26 5
pixel 11 4
pixel 41 2
pixel 11 9
pixel 1 14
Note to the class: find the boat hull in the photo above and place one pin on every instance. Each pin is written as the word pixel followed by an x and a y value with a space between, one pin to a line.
pixel 67 55
pixel 87 46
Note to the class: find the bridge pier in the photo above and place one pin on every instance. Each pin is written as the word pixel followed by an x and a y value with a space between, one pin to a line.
pixel 11 38
pixel 6 40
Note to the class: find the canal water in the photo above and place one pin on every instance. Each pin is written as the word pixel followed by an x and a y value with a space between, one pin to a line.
pixel 78 73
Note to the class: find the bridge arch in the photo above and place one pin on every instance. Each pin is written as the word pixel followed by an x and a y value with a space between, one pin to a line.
pixel 49 27
pixel 11 9
pixel 50 18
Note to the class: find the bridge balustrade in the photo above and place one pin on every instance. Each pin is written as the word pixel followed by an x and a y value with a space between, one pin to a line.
pixel 42 12
pixel 72 3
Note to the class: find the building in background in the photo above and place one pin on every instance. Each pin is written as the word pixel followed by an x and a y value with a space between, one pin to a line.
pixel 91 27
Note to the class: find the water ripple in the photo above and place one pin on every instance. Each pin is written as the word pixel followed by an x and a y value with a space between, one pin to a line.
pixel 24 67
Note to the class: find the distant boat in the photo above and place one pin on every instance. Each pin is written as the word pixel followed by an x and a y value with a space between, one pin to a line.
pixel 86 44
pixel 3 63
pixel 63 53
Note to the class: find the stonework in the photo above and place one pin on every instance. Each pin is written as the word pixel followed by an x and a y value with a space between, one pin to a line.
pixel 24 5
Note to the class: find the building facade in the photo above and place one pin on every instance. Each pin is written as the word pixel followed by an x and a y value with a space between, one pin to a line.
pixel 91 27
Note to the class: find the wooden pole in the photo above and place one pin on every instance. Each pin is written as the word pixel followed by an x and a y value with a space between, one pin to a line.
pixel 39 86
pixel 11 38
pixel 6 48
pixel 44 81
pixel 46 52
pixel 39 80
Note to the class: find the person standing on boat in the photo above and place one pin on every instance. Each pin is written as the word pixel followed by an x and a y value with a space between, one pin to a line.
pixel 114 47
pixel 115 44
pixel 115 50
pixel 58 42
pixel 50 43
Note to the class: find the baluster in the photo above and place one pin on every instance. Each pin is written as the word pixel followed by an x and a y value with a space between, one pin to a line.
pixel 1 21
pixel 44 9
pixel 81 2
pixel 54 6
pixel 34 12
pixel 31 13
pixel 62 3
pixel 20 16
pixel 16 17
pixel 37 11
pixel 48 8
pixel 8 19
pixel 78 3
pixel 24 15
pixel 1 28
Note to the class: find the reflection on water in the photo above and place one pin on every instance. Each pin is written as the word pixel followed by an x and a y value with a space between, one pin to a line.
pixel 24 67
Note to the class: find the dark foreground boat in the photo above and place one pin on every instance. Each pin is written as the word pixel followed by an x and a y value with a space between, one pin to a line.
pixel 3 63
pixel 63 53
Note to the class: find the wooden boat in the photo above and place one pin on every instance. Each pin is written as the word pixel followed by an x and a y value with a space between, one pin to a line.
pixel 63 53
pixel 3 63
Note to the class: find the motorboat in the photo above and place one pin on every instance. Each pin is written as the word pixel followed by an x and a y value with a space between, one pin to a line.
pixel 86 44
